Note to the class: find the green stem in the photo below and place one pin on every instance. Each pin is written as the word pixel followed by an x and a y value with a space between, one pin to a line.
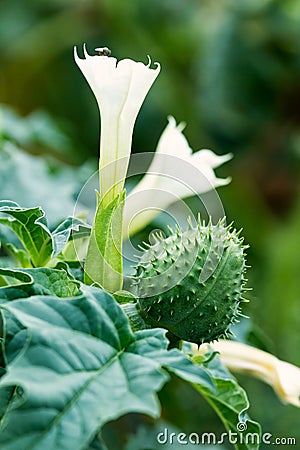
pixel 104 256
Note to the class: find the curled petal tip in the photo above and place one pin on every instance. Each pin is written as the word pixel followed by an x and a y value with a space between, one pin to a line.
pixel 156 64
pixel 221 159
pixel 180 127
pixel 171 120
pixel 76 57
pixel 225 181
pixel 85 51
pixel 75 53
pixel 227 157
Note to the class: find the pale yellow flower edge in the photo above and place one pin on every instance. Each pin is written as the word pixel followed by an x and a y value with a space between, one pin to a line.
pixel 281 375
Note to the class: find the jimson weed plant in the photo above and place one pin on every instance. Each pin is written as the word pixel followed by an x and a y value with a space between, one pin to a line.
pixel 78 350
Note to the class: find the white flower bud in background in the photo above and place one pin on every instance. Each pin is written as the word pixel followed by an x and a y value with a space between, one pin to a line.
pixel 175 172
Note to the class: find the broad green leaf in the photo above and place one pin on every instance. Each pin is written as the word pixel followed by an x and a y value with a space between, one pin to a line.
pixel 69 229
pixel 40 281
pixel 231 404
pixel 30 226
pixel 79 366
pixel 104 257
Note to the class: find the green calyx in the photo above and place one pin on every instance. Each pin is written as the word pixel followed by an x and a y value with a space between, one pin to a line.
pixel 192 282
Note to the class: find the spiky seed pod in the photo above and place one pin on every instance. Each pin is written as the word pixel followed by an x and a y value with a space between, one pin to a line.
pixel 191 283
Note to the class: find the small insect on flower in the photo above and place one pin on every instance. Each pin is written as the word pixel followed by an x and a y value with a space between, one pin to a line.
pixel 103 51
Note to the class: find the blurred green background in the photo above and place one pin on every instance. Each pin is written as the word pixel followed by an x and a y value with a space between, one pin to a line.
pixel 231 71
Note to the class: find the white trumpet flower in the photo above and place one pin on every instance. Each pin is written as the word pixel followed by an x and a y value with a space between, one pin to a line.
pixel 175 172
pixel 282 376
pixel 120 88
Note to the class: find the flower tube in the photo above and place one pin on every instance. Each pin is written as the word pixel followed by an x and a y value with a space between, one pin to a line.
pixel 175 172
